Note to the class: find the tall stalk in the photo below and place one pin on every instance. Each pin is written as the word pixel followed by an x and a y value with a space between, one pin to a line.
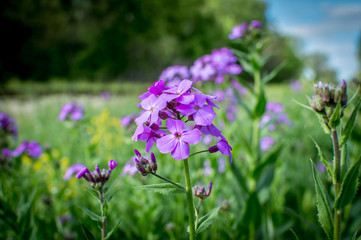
pixel 104 217
pixel 191 217
pixel 336 149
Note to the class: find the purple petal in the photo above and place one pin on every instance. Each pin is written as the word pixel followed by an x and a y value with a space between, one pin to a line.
pixel 181 151
pixel 192 137
pixel 204 116
pixel 184 86
pixel 149 144
pixel 143 118
pixel 175 126
pixel 185 109
pixel 167 143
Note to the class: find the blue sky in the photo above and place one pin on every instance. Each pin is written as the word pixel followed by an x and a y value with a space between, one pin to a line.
pixel 330 27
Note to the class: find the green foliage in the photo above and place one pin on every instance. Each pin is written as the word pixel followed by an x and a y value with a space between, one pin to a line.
pixel 325 215
pixel 208 219
pixel 164 188
pixel 348 186
pixel 349 125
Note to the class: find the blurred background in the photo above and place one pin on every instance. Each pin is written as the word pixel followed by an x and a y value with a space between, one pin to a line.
pixel 92 41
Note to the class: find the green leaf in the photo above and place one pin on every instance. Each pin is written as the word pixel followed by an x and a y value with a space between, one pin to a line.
pixel 113 230
pixel 252 210
pixel 243 104
pixel 205 221
pixel 24 208
pixel 325 216
pixel 273 73
pixel 87 233
pixel 349 125
pixel 246 66
pixel 164 188
pixel 354 236
pixel 105 208
pixel 303 105
pixel 260 107
pixel 91 214
pixel 240 179
pixel 294 234
pixel 271 158
pixel 335 118
pixel 325 128
pixel 348 186
pixel 323 159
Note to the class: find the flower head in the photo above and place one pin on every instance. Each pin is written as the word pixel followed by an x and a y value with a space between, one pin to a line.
pixel 202 192
pixel 72 110
pixel 75 168
pixel 238 31
pixel 8 125
pixel 32 149
pixel 97 178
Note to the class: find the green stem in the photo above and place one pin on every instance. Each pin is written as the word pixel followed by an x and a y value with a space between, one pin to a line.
pixel 192 230
pixel 104 218
pixel 255 127
pixel 198 210
pixel 337 183
pixel 207 150
pixel 170 181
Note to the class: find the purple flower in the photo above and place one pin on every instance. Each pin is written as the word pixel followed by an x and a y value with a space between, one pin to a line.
pixel 266 143
pixel 202 114
pixel 238 31
pixel 105 95
pixel 125 121
pixel 129 168
pixel 112 164
pixel 97 178
pixel 177 142
pixel 256 24
pixel 274 107
pixel 8 125
pixel 224 147
pixel 75 168
pixel 321 167
pixel 152 105
pixel 174 74
pixel 151 136
pixel 296 86
pixel 72 110
pixel 32 149
pixel 221 165
pixel 208 170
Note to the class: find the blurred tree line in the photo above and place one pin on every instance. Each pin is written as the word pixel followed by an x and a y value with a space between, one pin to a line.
pixel 109 39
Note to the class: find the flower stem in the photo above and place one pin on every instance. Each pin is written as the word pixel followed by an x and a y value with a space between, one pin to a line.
pixel 207 150
pixel 192 230
pixel 198 210
pixel 170 181
pixel 337 183
pixel 104 218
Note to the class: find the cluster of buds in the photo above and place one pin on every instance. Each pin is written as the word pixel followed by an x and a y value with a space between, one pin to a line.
pixel 327 96
pixel 97 178
pixel 202 193
pixel 143 165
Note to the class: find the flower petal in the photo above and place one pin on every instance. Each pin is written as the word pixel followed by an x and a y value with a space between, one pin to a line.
pixel 167 143
pixel 192 137
pixel 175 126
pixel 181 151
pixel 184 86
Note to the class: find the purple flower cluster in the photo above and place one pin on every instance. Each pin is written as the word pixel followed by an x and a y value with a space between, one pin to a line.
pixel 266 143
pixel 71 110
pixel 174 74
pixel 98 177
pixel 187 113
pixel 32 149
pixel 143 165
pixel 8 126
pixel 215 66
pixel 240 30
pixel 130 168
pixel 274 115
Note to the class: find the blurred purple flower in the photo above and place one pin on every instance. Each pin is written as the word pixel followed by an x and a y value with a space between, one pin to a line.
pixel 73 169
pixel 72 110
pixel 238 31
pixel 207 140
pixel 321 167
pixel 125 121
pixel 105 95
pixel 208 170
pixel 296 86
pixel 174 74
pixel 221 165
pixel 266 143
pixel 256 24
pixel 130 168
pixel 8 125
pixel 32 149
pixel 274 107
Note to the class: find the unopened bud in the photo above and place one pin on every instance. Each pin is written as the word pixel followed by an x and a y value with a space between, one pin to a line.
pixel 163 115
pixel 213 149
pixel 112 164
pixel 153 162
pixel 137 153
pixel 202 193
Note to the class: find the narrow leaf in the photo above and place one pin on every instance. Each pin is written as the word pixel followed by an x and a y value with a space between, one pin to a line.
pixel 260 107
pixel 271 158
pixel 240 179
pixel 303 105
pixel 349 125
pixel 325 216
pixel 205 221
pixel 113 230
pixel 273 73
pixel 164 188
pixel 354 236
pixel 294 234
pixel 252 210
pixel 91 214
pixel 323 159
pixel 246 66
pixel 87 233
pixel 348 186
pixel 335 117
